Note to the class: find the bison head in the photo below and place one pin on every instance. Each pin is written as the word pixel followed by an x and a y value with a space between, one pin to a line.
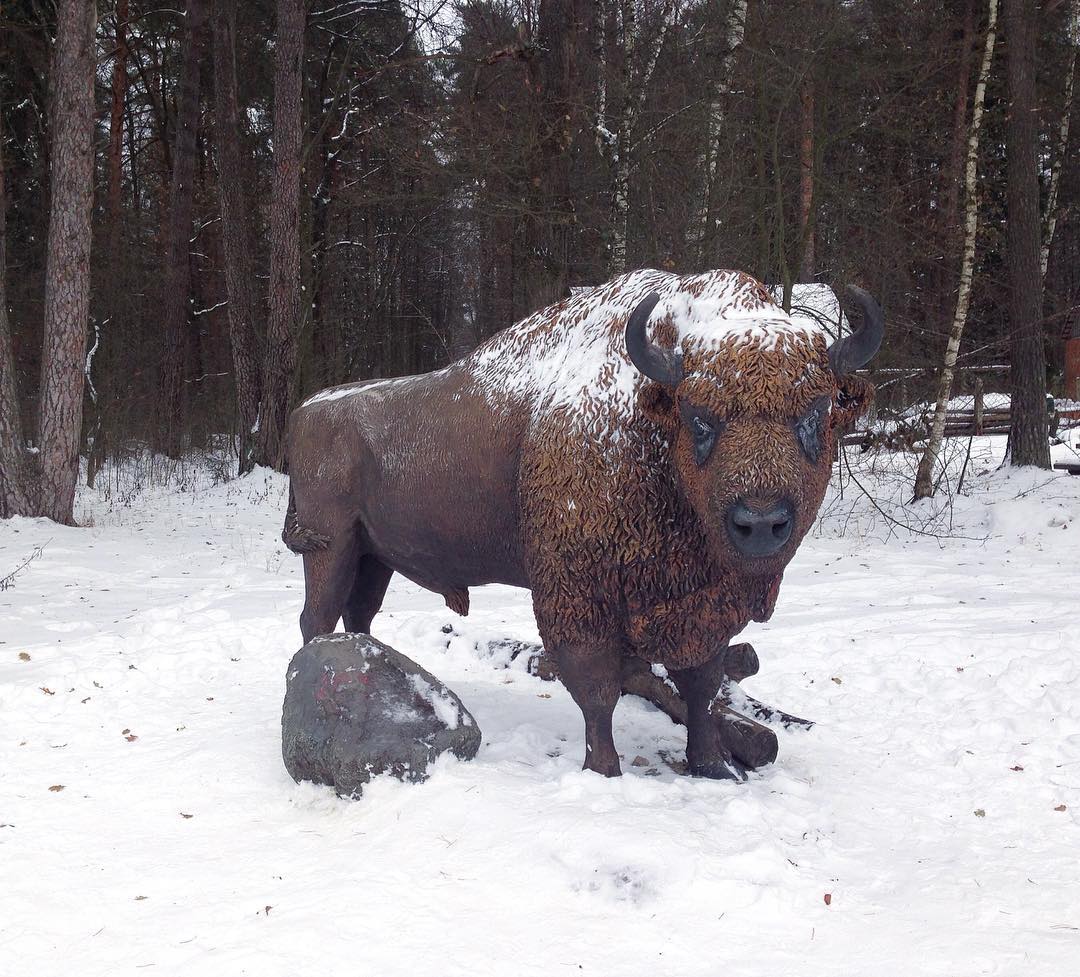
pixel 750 406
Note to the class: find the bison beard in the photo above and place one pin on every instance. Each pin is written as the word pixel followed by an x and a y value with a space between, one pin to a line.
pixel 649 492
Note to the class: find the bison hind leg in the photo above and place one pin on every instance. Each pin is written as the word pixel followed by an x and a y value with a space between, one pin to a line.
pixel 366 597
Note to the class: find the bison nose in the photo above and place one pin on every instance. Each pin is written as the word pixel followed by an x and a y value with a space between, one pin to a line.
pixel 757 533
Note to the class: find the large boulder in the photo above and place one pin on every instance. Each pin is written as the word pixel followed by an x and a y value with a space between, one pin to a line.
pixel 355 708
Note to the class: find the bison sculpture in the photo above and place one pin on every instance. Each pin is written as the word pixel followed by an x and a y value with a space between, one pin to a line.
pixel 645 457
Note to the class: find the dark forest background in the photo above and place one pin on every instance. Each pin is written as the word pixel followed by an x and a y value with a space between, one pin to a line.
pixel 290 194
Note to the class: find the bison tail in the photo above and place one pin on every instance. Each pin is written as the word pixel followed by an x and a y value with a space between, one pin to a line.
pixel 296 537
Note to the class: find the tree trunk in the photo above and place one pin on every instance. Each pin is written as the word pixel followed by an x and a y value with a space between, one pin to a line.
pixel 1050 223
pixel 67 269
pixel 561 71
pixel 924 477
pixel 635 90
pixel 115 264
pixel 14 483
pixel 1028 441
pixel 235 229
pixel 116 123
pixel 285 296
pixel 706 223
pixel 176 298
pixel 960 137
pixel 806 178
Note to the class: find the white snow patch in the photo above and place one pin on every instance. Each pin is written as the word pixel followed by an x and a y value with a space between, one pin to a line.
pixel 446 710
pixel 942 671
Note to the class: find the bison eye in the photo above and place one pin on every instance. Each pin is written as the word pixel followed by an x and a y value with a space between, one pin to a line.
pixel 810 428
pixel 704 438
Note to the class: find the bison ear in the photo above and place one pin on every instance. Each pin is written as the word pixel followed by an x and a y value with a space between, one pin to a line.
pixel 853 399
pixel 657 403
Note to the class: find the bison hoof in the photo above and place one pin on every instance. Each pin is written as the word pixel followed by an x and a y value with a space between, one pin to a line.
pixel 719 770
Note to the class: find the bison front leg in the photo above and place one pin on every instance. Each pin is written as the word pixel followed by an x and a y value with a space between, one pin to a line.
pixel 592 674
pixel 707 755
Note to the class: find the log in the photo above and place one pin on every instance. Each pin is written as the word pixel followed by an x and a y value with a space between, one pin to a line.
pixel 751 742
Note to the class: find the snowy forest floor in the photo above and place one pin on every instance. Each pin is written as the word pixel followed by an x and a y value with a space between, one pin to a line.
pixel 929 824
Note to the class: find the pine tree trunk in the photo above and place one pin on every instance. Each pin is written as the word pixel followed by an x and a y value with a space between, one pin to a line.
pixel 561 73
pixel 1062 146
pixel 235 229
pixel 67 270
pixel 116 122
pixel 924 477
pixel 14 483
pixel 285 296
pixel 806 178
pixel 180 161
pixel 176 297
pixel 1028 441
pixel 114 282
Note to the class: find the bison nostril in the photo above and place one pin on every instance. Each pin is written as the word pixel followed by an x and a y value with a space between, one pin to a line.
pixel 757 533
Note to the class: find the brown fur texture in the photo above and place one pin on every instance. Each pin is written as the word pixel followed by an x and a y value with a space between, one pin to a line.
pixel 544 460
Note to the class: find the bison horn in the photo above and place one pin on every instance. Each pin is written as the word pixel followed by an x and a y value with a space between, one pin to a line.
pixel 858 349
pixel 659 364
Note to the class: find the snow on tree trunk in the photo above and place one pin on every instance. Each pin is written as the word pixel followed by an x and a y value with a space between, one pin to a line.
pixel 924 483
pixel 285 304
pixel 67 269
pixel 1028 441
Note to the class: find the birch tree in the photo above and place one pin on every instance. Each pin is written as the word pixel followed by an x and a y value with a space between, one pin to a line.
pixel 633 90
pixel 707 221
pixel 924 483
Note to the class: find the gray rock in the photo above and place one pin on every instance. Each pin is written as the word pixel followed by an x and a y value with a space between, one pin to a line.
pixel 355 708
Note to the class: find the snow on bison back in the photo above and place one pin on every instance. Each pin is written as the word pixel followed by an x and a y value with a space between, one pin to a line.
pixel 645 457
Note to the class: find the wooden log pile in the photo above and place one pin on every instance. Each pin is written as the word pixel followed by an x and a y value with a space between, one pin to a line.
pixel 960 423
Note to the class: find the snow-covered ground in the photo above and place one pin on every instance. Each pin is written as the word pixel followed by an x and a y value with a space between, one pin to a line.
pixel 929 824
